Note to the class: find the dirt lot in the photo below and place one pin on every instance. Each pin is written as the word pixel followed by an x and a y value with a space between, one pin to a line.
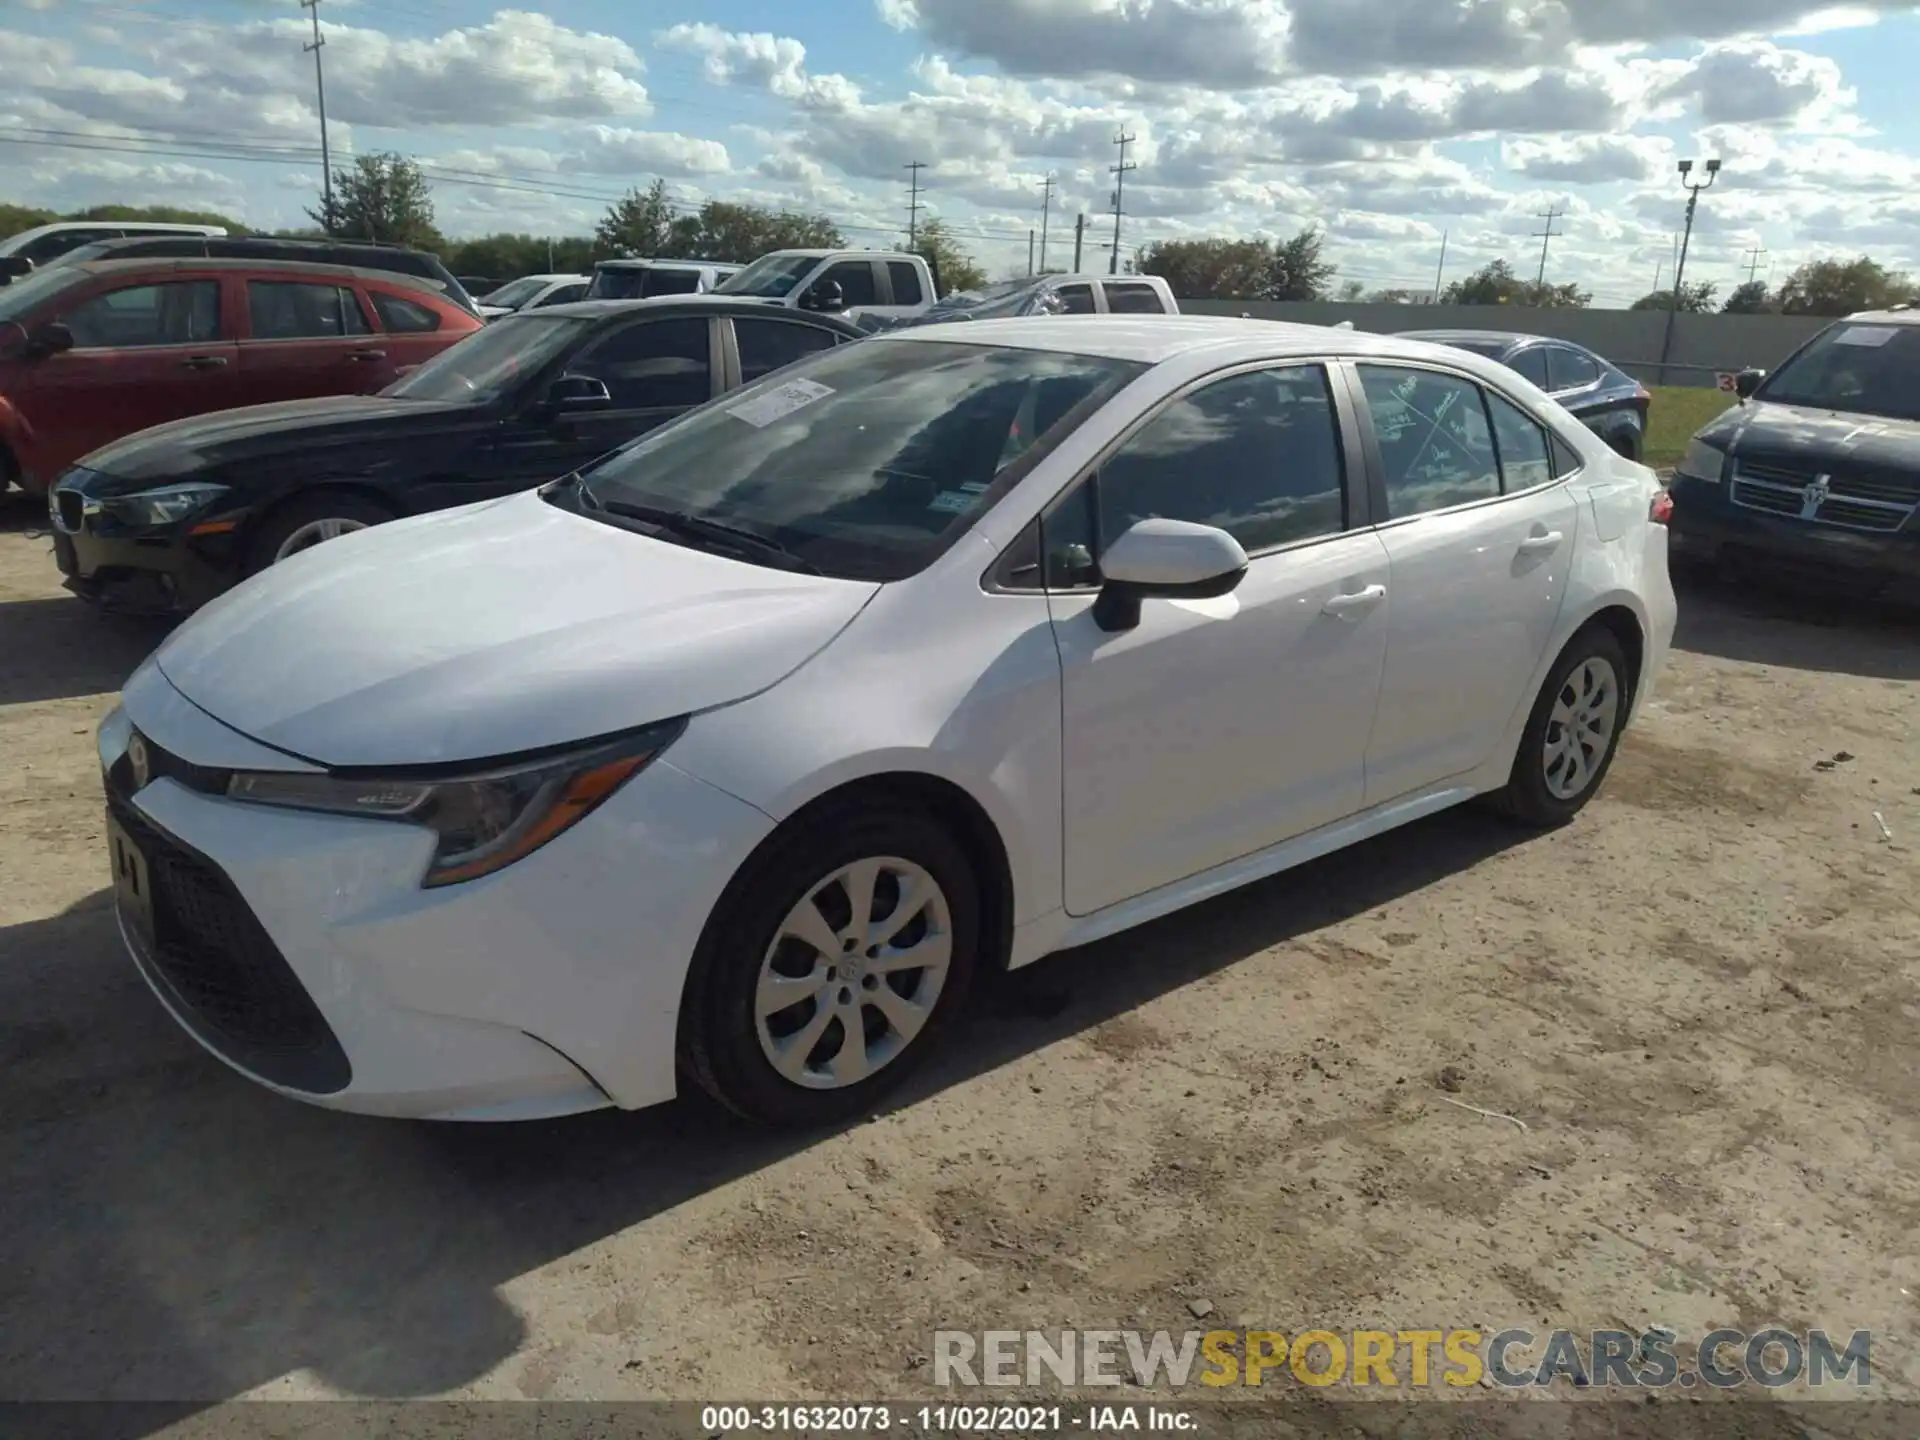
pixel 1702 999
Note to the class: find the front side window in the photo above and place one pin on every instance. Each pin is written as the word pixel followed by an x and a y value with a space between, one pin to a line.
pixel 1525 460
pixel 489 363
pixel 767 345
pixel 283 310
pixel 515 294
pixel 669 280
pixel 866 460
pixel 655 365
pixel 562 295
pixel 1569 369
pixel 617 282
pixel 855 279
pixel 180 312
pixel 1125 298
pixel 1858 369
pixel 47 247
pixel 1436 448
pixel 1076 300
pixel 1257 455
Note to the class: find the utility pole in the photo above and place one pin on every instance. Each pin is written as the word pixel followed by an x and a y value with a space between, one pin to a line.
pixel 320 90
pixel 1440 271
pixel 1680 265
pixel 913 168
pixel 1030 253
pixel 1079 235
pixel 1119 173
pixel 1754 257
pixel 1046 208
pixel 1545 237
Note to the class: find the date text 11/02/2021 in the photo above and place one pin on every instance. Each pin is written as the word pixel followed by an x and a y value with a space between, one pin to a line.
pixel 720 1420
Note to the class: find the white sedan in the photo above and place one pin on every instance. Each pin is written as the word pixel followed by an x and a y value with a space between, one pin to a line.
pixel 737 757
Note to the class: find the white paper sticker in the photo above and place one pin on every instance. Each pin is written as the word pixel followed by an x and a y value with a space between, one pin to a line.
pixel 1871 337
pixel 778 402
pixel 954 502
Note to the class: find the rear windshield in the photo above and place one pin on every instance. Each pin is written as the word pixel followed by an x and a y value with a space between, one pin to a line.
pixel 868 460
pixel 1858 369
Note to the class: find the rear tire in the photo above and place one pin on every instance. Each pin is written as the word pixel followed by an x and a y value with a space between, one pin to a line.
pixel 309 521
pixel 767 1024
pixel 1572 734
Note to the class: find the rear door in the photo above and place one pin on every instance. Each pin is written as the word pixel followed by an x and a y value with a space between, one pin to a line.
pixel 144 352
pixel 905 294
pixel 308 337
pixel 763 346
pixel 1133 297
pixel 412 330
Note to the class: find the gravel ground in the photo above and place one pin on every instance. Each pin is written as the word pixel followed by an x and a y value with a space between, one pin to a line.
pixel 1701 999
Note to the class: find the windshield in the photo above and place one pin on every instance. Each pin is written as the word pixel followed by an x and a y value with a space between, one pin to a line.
pixel 492 361
pixel 30 292
pixel 866 461
pixel 515 294
pixel 769 278
pixel 1861 369
pixel 985 295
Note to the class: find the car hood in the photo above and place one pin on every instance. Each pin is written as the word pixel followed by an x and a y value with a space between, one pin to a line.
pixel 496 628
pixel 1798 437
pixel 183 448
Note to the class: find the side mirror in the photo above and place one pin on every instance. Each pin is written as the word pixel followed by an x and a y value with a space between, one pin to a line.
pixel 825 297
pixel 49 339
pixel 572 394
pixel 13 341
pixel 1748 381
pixel 12 267
pixel 1168 559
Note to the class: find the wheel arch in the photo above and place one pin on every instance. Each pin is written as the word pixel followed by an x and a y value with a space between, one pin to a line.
pixel 358 488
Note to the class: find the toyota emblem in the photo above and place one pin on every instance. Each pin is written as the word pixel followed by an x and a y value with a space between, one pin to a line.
pixel 141 761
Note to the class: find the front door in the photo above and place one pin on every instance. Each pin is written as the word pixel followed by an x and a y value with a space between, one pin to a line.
pixel 309 338
pixel 1218 727
pixel 653 370
pixel 143 354
pixel 1479 538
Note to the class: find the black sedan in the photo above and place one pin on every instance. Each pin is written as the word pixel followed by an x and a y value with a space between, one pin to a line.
pixel 1608 401
pixel 171 517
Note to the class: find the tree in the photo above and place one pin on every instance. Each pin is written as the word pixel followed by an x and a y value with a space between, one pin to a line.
pixel 1210 269
pixel 1496 284
pixel 1840 287
pixel 640 224
pixel 15 218
pixel 954 267
pixel 1749 299
pixel 738 234
pixel 1298 272
pixel 1353 292
pixel 161 214
pixel 383 197
pixel 505 257
pixel 1694 299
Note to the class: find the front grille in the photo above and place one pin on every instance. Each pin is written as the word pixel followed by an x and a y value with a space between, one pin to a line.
pixel 215 960
pixel 1873 500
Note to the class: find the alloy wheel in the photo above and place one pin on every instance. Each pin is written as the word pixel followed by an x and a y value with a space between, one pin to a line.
pixel 316 532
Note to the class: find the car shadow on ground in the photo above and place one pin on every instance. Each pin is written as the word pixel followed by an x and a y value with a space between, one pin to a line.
pixel 177 1234
pixel 1761 620
pixel 60 648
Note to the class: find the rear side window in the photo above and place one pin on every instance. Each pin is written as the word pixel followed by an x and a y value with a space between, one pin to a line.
pixel 181 312
pixel 1133 299
pixel 61 241
pixel 766 345
pixel 1524 456
pixel 1076 299
pixel 1532 364
pixel 1436 448
pixel 906 283
pixel 295 310
pixel 670 282
pixel 565 295
pixel 404 317
pixel 1569 369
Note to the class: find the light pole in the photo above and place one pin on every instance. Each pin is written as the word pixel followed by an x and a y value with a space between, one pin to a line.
pixel 1680 266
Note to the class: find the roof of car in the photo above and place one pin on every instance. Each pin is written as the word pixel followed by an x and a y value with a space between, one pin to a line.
pixel 229 262
pixel 1486 337
pixel 1155 338
pixel 1904 315
pixel 707 304
pixel 640 264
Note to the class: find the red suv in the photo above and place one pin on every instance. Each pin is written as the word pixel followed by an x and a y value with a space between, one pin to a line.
pixel 91 352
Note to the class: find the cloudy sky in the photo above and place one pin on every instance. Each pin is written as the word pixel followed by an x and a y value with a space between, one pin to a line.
pixel 1389 123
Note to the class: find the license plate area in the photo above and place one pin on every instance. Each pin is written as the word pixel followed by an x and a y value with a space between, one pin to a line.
pixel 132 881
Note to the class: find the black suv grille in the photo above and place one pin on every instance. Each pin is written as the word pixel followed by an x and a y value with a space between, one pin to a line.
pixel 223 972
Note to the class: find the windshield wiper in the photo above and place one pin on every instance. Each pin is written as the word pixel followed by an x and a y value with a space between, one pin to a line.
pixel 698 527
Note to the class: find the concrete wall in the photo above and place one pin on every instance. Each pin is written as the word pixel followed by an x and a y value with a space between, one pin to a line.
pixel 1702 344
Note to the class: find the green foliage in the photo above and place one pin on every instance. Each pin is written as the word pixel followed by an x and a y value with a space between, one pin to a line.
pixel 1497 284
pixel 1694 299
pixel 1210 269
pixel 640 225
pixel 15 218
pixel 1750 299
pixel 1299 272
pixel 1841 287
pixel 955 267
pixel 381 197
pixel 738 234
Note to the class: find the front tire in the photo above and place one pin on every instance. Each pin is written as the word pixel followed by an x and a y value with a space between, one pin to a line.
pixel 309 521
pixel 831 966
pixel 1572 734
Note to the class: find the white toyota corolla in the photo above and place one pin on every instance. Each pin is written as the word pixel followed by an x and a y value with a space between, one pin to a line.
pixel 739 755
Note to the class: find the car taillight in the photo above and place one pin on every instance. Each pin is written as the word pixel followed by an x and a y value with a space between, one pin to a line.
pixel 1661 510
pixel 1640 392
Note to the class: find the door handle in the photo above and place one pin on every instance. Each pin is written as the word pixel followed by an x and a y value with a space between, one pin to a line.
pixel 368 355
pixel 203 362
pixel 1352 604
pixel 1535 544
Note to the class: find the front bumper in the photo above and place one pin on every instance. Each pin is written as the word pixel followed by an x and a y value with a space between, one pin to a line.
pixel 1705 521
pixel 166 570
pixel 545 989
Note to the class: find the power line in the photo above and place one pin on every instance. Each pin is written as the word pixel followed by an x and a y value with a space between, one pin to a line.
pixel 1119 173
pixel 1545 237
pixel 320 92
pixel 913 169
pixel 1754 256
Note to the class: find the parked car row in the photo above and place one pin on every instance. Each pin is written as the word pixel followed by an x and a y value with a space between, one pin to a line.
pixel 733 757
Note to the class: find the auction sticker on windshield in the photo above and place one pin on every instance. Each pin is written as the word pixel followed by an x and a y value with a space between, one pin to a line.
pixel 778 402
pixel 1871 336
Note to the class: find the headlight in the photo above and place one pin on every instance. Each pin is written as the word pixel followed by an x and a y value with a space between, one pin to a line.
pixel 485 820
pixel 164 506
pixel 1703 461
